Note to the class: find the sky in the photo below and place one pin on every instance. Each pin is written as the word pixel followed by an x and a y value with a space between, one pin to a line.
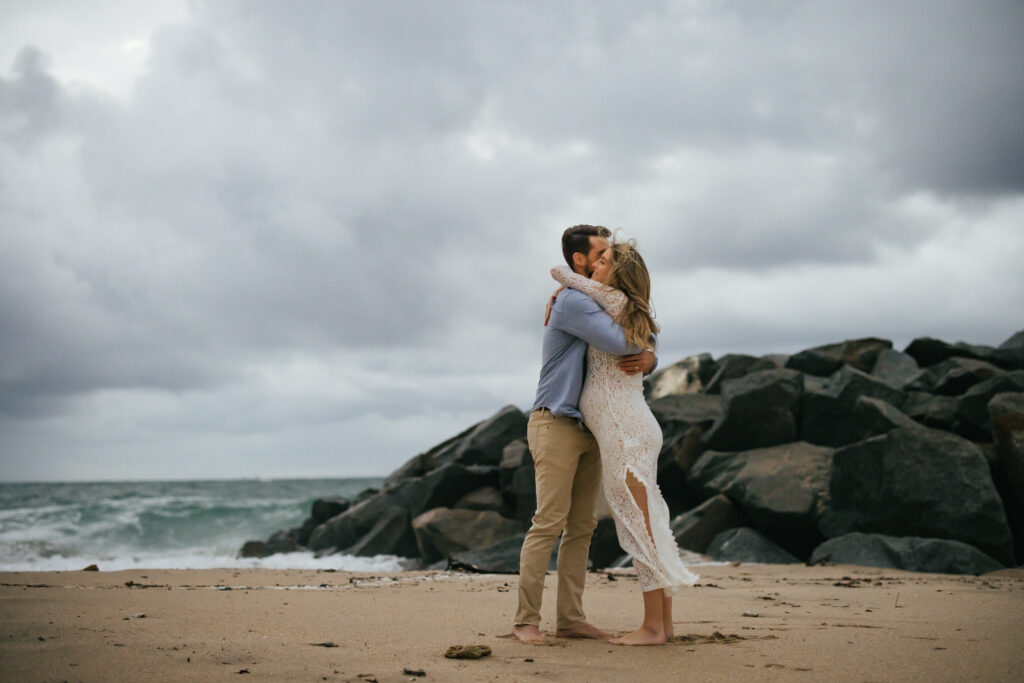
pixel 267 239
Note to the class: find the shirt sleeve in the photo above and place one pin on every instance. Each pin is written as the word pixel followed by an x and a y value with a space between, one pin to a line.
pixel 581 317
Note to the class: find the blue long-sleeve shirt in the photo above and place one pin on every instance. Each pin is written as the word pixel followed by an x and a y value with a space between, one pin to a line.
pixel 576 322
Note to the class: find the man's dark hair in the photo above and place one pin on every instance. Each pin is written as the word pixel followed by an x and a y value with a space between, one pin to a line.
pixel 577 240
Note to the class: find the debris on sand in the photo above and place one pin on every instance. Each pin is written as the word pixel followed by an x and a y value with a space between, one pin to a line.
pixel 467 652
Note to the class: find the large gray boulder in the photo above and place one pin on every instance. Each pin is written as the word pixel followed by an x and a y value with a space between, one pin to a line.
pixel 937 412
pixel 897 369
pixel 683 420
pixel 676 413
pixel 872 417
pixel 825 360
pixel 917 482
pixel 486 498
pixel 1007 416
pixel 748 545
pixel 442 532
pixel 972 409
pixel 500 558
pixel 827 406
pixel 484 443
pixel 734 366
pixel 910 553
pixel 391 534
pixel 759 410
pixel 781 489
pixel 517 479
pixel 682 377
pixel 694 529
pixel 956 375
pixel 929 351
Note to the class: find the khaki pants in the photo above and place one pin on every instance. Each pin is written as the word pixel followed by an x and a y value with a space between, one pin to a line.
pixel 567 463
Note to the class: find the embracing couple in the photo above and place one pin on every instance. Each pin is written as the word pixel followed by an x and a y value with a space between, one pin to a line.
pixel 590 428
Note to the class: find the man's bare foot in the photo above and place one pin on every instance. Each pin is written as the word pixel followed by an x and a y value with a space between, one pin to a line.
pixel 641 636
pixel 585 631
pixel 528 633
pixel 670 632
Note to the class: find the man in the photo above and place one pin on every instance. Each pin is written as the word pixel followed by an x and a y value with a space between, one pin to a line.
pixel 565 454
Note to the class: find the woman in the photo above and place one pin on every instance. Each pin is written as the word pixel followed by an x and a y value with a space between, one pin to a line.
pixel 614 409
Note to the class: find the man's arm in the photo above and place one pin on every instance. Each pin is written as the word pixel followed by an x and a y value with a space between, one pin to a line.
pixel 581 317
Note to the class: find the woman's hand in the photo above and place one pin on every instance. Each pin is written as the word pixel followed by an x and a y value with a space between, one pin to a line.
pixel 551 301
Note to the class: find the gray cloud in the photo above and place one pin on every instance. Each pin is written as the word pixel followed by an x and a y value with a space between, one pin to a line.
pixel 305 218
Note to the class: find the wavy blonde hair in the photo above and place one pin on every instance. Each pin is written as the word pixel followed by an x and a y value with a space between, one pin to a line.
pixel 629 275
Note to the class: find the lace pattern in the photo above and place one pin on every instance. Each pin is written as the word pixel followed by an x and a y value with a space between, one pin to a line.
pixel 630 439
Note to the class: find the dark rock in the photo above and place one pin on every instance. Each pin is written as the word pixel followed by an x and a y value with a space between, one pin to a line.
pixel 365 494
pixel 896 368
pixel 500 558
pixel 684 377
pixel 972 409
pixel 678 412
pixel 917 482
pixel 344 530
pixel 678 453
pixel 253 549
pixel 486 498
pixel 695 528
pixel 758 410
pixel 302 533
pixel 281 542
pixel 1006 412
pixel 909 553
pixel 513 456
pixel 484 443
pixel 1016 341
pixel 325 508
pixel 821 360
pixel 444 486
pixel 1007 415
pixel 956 375
pixel 604 544
pixel 744 544
pixel 928 351
pixel 862 354
pixel 416 466
pixel 390 535
pixel 827 406
pixel 938 412
pixel 442 531
pixel 872 417
pixel 516 477
pixel 825 360
pixel 781 489
pixel 734 366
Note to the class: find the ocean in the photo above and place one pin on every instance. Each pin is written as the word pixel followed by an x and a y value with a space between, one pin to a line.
pixel 163 524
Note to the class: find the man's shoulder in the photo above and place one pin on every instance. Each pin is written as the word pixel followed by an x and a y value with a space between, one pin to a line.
pixel 575 301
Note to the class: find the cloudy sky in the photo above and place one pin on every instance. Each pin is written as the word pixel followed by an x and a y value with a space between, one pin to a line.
pixel 312 239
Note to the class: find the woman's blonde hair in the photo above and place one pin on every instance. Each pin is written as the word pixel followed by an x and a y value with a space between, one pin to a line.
pixel 629 275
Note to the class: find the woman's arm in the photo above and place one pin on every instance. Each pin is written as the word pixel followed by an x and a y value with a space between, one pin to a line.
pixel 604 296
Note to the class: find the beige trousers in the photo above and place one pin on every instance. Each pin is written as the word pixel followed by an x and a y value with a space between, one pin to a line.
pixel 567 463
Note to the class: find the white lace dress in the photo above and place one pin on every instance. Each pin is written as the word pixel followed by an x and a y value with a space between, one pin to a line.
pixel 614 409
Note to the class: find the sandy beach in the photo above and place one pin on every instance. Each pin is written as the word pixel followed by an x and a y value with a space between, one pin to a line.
pixel 746 622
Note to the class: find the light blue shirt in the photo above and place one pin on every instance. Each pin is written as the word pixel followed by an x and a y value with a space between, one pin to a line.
pixel 577 321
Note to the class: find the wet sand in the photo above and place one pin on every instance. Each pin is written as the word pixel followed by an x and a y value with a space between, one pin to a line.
pixel 746 622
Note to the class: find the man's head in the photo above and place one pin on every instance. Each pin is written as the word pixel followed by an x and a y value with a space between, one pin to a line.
pixel 582 245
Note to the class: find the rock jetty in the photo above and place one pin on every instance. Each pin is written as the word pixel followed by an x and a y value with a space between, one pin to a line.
pixel 851 452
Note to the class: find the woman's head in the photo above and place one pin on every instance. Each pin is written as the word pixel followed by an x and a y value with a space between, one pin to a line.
pixel 622 267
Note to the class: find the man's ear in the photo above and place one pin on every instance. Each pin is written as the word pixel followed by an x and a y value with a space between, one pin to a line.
pixel 579 260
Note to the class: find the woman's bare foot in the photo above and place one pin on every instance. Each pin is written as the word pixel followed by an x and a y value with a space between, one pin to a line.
pixel 585 631
pixel 641 636
pixel 528 633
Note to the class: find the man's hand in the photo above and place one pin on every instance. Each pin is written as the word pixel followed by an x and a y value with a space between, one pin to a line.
pixel 551 301
pixel 641 362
